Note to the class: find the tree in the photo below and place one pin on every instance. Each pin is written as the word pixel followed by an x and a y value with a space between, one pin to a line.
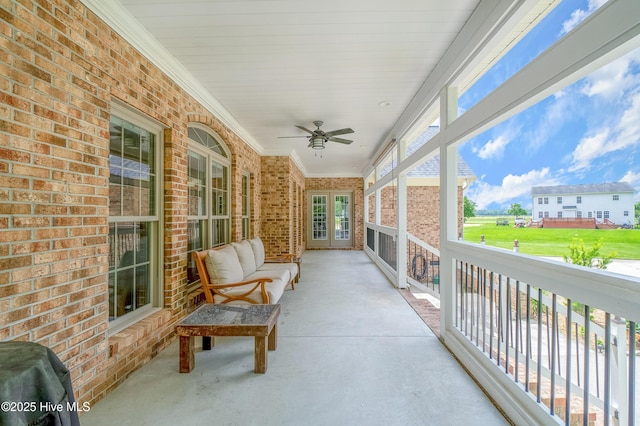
pixel 637 209
pixel 469 208
pixel 516 210
pixel 579 255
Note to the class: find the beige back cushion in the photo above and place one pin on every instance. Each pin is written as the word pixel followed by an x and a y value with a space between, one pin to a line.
pixel 245 256
pixel 223 266
pixel 258 250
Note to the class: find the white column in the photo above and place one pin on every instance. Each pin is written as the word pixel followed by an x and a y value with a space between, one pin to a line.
pixel 402 221
pixel 448 210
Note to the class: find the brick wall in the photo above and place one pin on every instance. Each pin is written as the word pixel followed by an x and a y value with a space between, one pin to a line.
pixel 423 211
pixel 280 180
pixel 61 70
pixel 345 184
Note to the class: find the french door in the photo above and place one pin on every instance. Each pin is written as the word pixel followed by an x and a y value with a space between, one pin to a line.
pixel 330 219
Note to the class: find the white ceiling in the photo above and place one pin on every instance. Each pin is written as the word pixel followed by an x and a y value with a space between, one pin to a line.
pixel 274 64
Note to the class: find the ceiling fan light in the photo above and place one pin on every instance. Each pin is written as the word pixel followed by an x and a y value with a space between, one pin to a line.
pixel 317 142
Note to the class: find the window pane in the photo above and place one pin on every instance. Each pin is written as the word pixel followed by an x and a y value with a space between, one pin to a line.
pixel 130 263
pixel 319 205
pixel 195 242
pixel 197 184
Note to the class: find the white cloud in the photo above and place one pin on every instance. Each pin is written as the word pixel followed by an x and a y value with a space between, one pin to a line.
pixel 625 134
pixel 588 149
pixel 613 79
pixel 512 187
pixel 633 179
pixel 579 15
pixel 494 148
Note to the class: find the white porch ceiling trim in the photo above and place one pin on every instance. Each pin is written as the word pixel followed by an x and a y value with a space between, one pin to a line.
pixel 121 21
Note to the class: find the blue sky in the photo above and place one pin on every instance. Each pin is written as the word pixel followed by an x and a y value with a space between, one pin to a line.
pixel 588 132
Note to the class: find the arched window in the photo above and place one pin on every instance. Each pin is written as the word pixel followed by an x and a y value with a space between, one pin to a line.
pixel 209 214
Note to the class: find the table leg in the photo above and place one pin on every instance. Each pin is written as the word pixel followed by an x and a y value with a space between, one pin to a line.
pixel 273 338
pixel 260 355
pixel 207 343
pixel 187 354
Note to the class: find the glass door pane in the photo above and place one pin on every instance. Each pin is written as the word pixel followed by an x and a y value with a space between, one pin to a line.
pixel 319 219
pixel 342 222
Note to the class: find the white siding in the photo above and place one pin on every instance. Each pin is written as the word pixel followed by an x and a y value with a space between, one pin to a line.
pixel 597 206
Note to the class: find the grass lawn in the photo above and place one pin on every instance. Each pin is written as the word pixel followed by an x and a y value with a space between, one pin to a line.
pixel 551 242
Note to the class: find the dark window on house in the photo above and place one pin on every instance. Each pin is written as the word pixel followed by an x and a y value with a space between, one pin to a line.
pixel 616 197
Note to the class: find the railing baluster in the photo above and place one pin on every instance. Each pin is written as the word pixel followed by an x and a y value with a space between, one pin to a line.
pixel 500 307
pixel 567 408
pixel 518 333
pixel 471 306
pixel 478 294
pixel 484 310
pixel 491 315
pixel 632 373
pixel 527 359
pixel 597 364
pixel 607 369
pixel 587 366
pixel 577 354
pixel 552 403
pixel 507 325
pixel 539 366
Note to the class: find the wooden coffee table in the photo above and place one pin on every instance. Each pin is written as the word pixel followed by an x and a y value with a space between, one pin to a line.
pixel 211 320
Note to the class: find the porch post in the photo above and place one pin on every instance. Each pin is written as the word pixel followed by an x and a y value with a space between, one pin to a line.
pixel 402 221
pixel 448 210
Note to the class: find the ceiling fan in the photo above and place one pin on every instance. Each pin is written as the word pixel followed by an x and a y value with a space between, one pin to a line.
pixel 318 137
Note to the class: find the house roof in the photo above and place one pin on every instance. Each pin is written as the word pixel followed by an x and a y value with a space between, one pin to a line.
pixel 430 168
pixel 595 188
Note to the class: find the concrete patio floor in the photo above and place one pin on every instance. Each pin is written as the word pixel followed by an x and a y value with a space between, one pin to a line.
pixel 351 351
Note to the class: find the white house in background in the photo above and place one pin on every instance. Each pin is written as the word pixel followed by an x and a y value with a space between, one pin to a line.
pixel 600 201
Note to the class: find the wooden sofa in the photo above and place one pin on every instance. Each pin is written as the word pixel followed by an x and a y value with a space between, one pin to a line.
pixel 239 273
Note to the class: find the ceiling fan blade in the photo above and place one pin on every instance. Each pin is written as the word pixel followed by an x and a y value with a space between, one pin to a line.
pixel 339 132
pixel 306 130
pixel 340 140
pixel 287 137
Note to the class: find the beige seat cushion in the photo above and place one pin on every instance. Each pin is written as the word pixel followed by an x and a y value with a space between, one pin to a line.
pixel 223 266
pixel 245 256
pixel 292 268
pixel 258 251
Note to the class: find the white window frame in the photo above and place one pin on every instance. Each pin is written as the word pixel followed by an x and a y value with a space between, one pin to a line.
pixel 212 157
pixel 155 244
pixel 245 211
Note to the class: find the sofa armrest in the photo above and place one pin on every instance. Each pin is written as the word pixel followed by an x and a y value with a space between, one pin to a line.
pixel 210 290
pixel 248 289
pixel 282 258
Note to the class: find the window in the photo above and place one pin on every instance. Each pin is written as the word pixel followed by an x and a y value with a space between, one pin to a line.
pixel 246 205
pixel 559 200
pixel 208 210
pixel 590 215
pixel 559 215
pixel 606 214
pixel 625 213
pixel 546 200
pixel 579 214
pixel 540 215
pixel 134 282
pixel 539 200
pixel 578 199
pixel 599 214
pixel 616 197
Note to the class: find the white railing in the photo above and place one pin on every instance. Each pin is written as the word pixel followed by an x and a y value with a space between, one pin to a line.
pixel 521 321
